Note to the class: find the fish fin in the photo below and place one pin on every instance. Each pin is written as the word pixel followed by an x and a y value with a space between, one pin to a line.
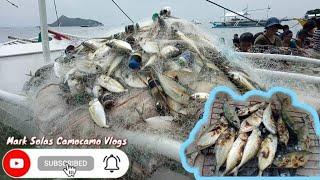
pixel 260 173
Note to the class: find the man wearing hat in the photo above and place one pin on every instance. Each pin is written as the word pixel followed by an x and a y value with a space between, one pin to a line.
pixel 269 37
pixel 316 37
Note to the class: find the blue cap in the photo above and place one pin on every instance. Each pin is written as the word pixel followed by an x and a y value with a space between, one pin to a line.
pixel 273 21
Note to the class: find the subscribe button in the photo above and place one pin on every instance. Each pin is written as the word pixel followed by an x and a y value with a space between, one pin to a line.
pixel 65 163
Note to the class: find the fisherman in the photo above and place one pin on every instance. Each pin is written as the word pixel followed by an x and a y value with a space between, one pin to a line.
pixel 301 39
pixel 236 41
pixel 316 37
pixel 316 40
pixel 285 28
pixel 287 40
pixel 307 31
pixel 269 37
pixel 246 42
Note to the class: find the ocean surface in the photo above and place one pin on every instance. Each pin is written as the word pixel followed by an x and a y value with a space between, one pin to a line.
pixel 13 71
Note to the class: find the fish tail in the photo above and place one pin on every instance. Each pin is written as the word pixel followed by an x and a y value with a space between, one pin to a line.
pixel 226 172
pixel 260 173
pixel 217 171
pixel 235 171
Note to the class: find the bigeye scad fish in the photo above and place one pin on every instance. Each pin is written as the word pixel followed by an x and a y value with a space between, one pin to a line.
pixel 267 152
pixel 223 147
pixel 268 120
pixel 235 154
pixel 231 115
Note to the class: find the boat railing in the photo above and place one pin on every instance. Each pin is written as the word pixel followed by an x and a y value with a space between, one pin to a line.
pixel 237 23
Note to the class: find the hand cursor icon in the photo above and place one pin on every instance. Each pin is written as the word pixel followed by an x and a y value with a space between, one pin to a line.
pixel 69 170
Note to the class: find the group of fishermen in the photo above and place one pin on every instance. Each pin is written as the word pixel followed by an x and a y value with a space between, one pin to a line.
pixel 306 42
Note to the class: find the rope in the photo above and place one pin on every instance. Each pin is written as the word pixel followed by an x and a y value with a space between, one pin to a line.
pixel 12 4
pixel 235 12
pixel 294 25
pixel 123 11
pixel 55 8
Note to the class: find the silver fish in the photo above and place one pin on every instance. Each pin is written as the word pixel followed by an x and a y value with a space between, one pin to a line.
pixel 251 122
pixel 231 115
pixel 115 63
pixel 91 44
pixel 268 120
pixel 97 113
pixel 131 79
pixel 235 154
pixel 176 107
pixel 200 96
pixel 101 52
pixel 210 137
pixel 110 84
pixel 169 51
pixel 160 122
pixel 243 80
pixel 150 62
pixel 292 160
pixel 251 149
pixel 97 91
pixel 267 152
pixel 174 90
pixel 256 118
pixel 190 43
pixel 223 147
pixel 250 110
pixel 120 45
pixel 150 47
pixel 106 62
pixel 246 127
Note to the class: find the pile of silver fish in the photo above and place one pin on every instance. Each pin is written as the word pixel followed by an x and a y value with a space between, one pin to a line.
pixel 177 66
pixel 255 133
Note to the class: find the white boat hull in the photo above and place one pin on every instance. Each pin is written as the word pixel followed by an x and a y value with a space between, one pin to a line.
pixel 31 48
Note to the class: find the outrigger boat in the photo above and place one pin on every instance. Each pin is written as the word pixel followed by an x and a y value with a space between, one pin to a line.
pixel 242 19
pixel 309 15
pixel 21 47
pixel 232 20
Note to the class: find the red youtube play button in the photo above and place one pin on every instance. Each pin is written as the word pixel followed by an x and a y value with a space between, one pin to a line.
pixel 16 163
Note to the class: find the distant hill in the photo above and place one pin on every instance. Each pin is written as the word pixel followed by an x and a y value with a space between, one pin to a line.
pixel 66 21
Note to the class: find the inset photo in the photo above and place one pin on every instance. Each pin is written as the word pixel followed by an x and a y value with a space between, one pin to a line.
pixel 256 137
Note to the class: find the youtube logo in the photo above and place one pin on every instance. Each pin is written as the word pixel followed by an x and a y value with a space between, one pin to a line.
pixel 16 163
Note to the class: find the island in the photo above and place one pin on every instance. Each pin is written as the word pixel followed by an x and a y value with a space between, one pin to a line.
pixel 65 21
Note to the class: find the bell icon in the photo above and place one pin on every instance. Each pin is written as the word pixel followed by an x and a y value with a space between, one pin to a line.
pixel 111 163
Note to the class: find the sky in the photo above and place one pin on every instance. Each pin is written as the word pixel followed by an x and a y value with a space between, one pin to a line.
pixel 107 13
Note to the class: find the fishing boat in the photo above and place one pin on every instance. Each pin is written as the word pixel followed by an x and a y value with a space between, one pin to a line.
pixel 309 15
pixel 233 20
pixel 240 19
pixel 22 47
